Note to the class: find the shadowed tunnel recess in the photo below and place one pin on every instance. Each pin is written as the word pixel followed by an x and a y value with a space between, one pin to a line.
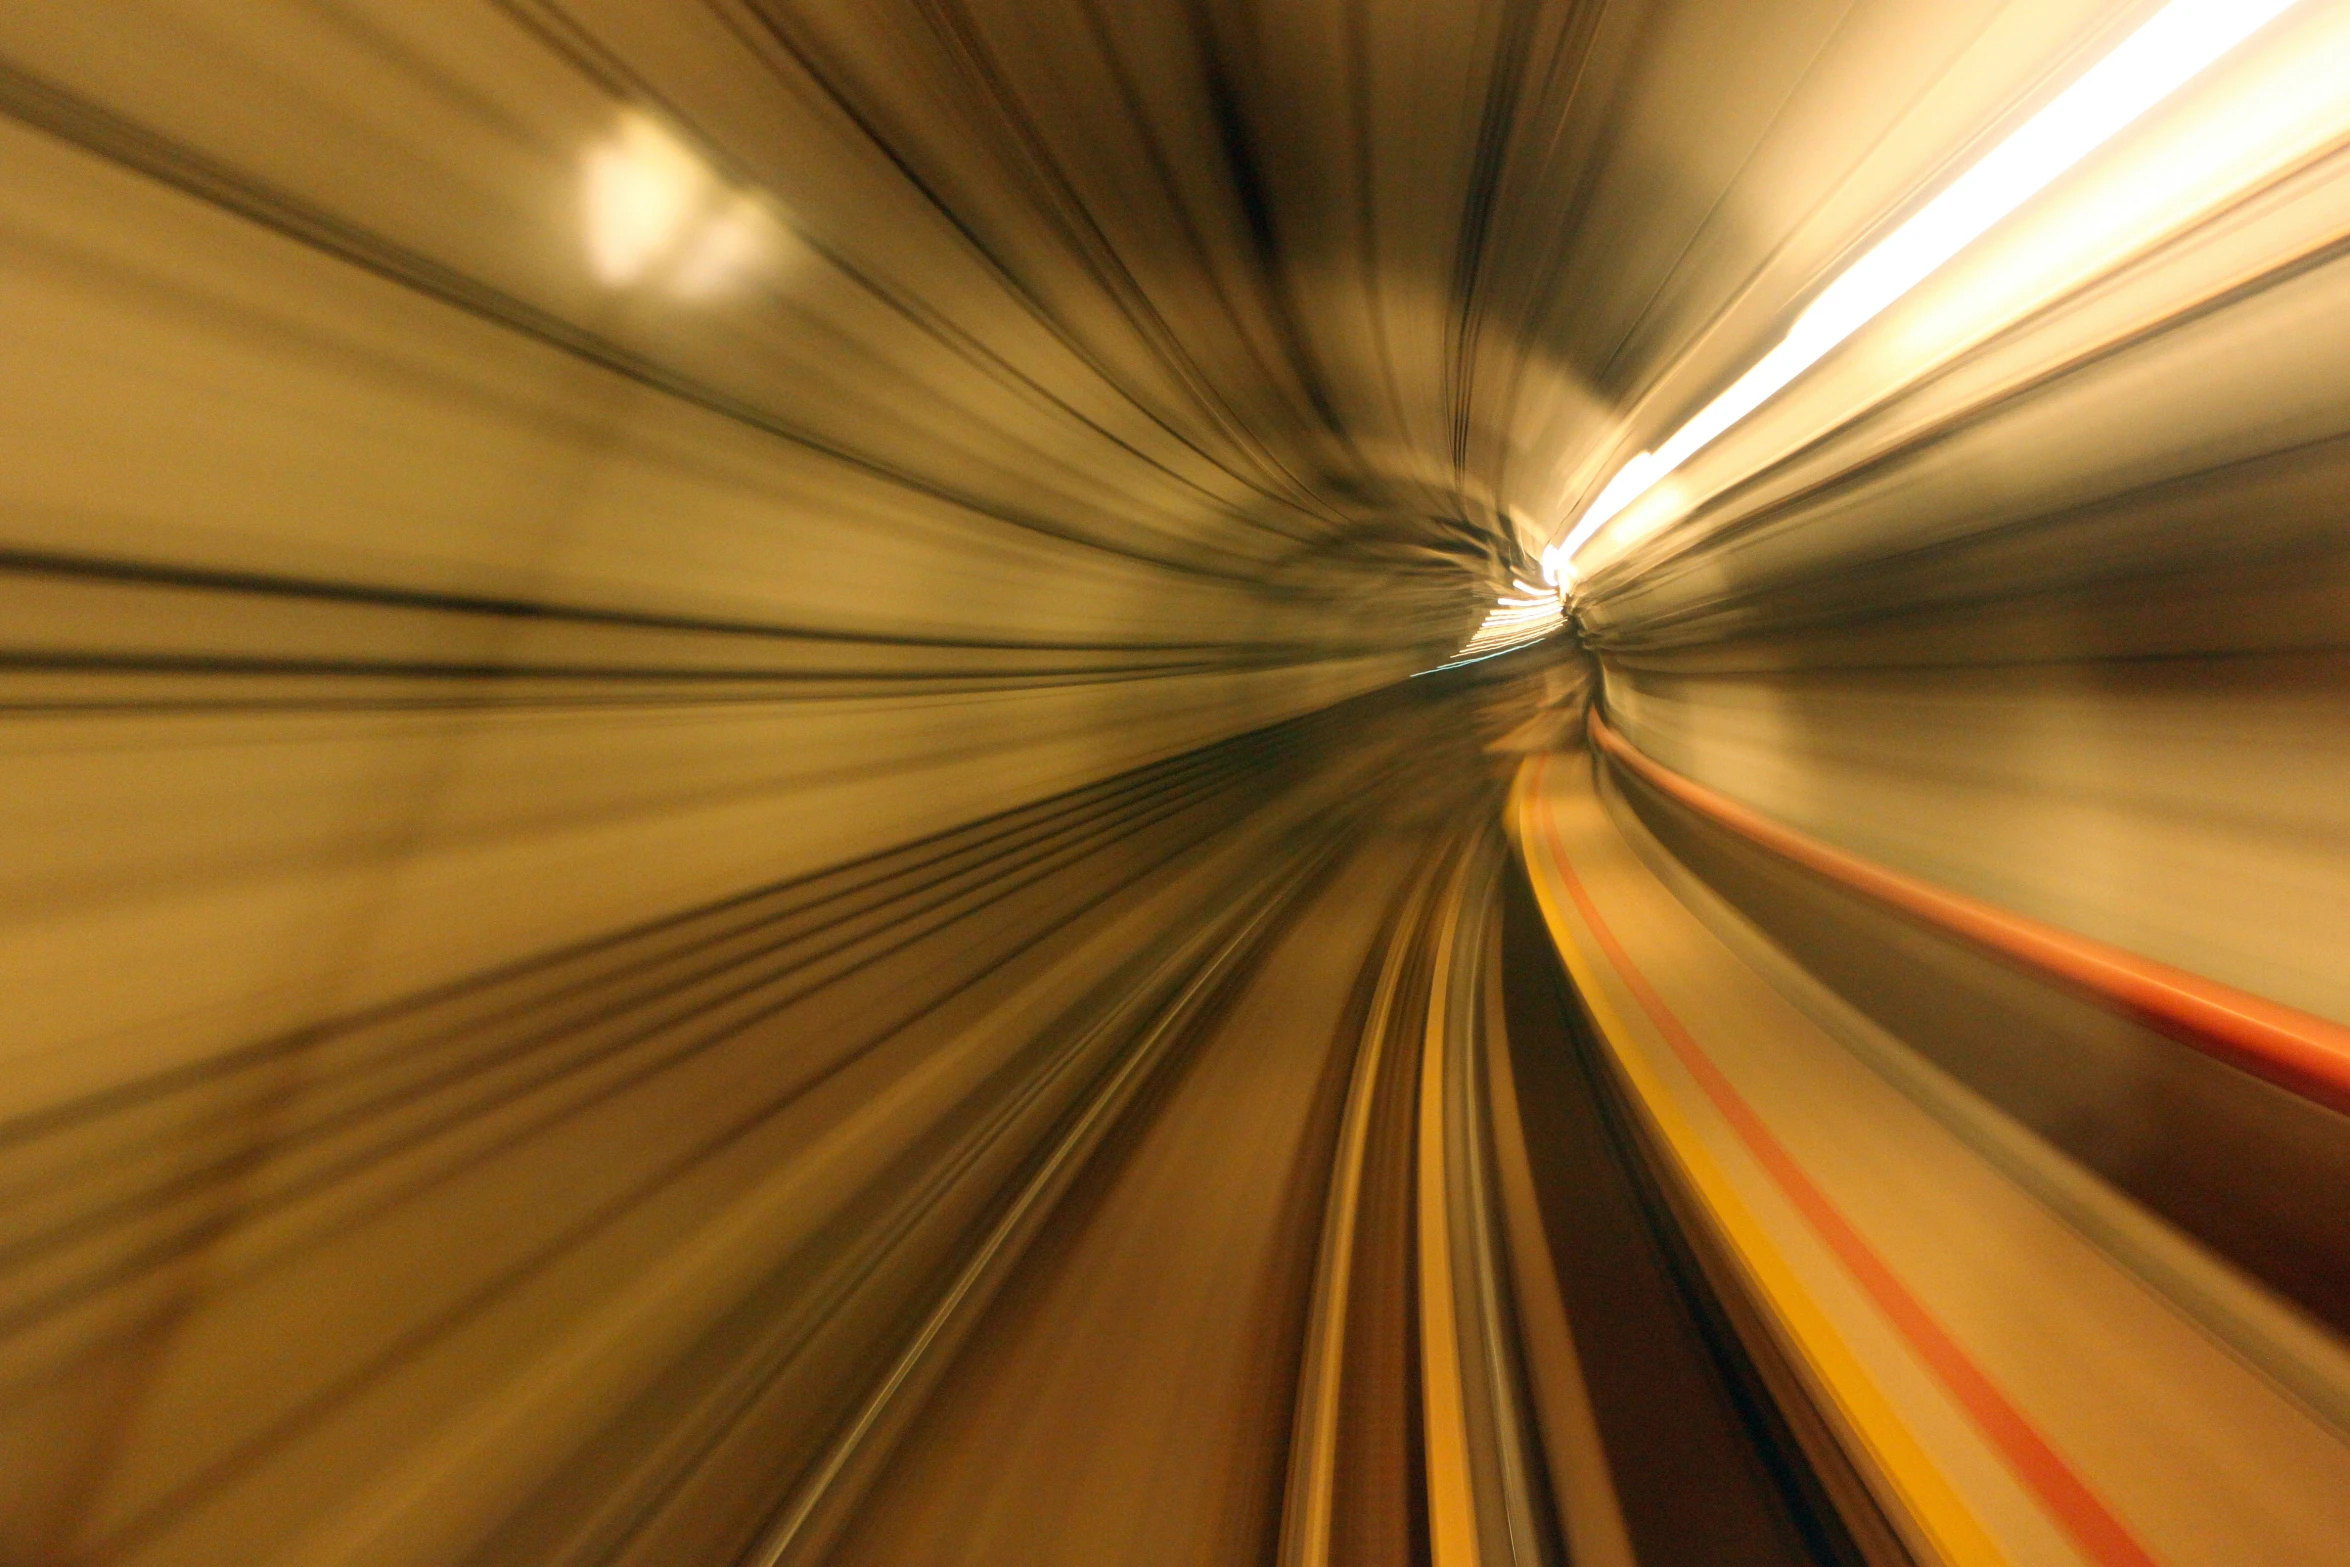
pixel 737 824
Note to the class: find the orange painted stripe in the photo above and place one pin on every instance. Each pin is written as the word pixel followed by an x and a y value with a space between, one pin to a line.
pixel 2068 1499
pixel 2307 1055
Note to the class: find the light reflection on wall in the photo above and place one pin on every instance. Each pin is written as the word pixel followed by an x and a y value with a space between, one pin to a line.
pixel 657 215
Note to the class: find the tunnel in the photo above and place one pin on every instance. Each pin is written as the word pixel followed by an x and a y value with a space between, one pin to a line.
pixel 1131 783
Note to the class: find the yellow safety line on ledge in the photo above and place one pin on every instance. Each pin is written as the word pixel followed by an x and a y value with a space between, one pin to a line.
pixel 1933 1506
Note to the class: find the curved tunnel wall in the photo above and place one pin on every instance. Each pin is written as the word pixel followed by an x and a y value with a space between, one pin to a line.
pixel 2058 624
pixel 391 598
pixel 492 487
pixel 2189 813
pixel 2036 587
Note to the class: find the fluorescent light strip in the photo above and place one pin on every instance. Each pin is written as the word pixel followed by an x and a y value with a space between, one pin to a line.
pixel 2175 46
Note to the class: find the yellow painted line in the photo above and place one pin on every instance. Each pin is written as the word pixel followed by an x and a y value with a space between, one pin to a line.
pixel 1933 1506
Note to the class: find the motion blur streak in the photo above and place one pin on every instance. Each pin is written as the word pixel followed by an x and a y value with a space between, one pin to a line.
pixel 717 847
pixel 1512 623
pixel 2182 39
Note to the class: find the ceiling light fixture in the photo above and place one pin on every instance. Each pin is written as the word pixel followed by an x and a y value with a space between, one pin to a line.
pixel 2174 46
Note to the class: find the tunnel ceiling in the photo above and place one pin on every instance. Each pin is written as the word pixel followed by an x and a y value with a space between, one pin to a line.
pixel 1388 287
pixel 1299 321
pixel 1399 283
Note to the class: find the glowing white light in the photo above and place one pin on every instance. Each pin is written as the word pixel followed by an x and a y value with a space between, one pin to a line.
pixel 1511 623
pixel 655 213
pixel 2173 47
pixel 642 188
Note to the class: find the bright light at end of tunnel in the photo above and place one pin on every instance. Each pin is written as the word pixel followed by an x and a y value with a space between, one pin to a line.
pixel 1511 623
pixel 2173 47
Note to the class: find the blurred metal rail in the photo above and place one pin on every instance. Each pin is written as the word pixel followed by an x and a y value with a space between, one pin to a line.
pixel 1485 1498
pixel 818 1506
pixel 1311 1504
